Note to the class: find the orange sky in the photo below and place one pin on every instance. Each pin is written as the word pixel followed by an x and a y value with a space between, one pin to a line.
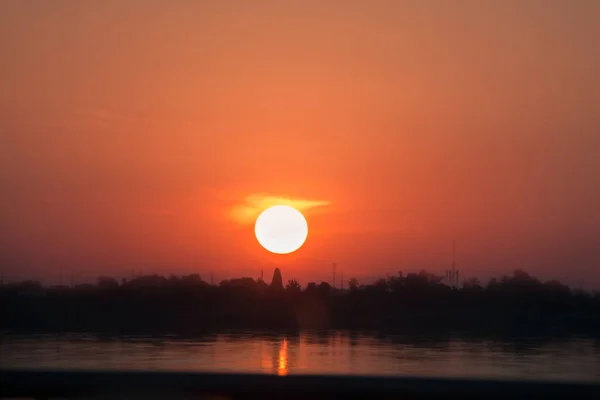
pixel 132 131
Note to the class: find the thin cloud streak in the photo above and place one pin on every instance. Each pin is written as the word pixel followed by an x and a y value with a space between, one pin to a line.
pixel 253 205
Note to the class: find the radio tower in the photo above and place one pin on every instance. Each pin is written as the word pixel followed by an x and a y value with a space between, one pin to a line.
pixel 333 271
pixel 453 275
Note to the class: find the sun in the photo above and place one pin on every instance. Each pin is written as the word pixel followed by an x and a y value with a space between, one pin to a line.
pixel 281 229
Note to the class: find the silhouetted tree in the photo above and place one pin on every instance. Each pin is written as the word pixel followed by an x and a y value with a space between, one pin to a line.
pixel 353 284
pixel 239 283
pixel 324 288
pixel 293 286
pixel 381 284
pixel 277 281
pixel 107 283
pixel 192 280
pixel 472 283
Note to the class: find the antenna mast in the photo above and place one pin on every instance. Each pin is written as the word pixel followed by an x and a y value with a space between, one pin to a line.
pixel 333 271
pixel 454 263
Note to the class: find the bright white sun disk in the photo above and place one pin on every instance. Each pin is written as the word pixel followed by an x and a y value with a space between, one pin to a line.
pixel 281 229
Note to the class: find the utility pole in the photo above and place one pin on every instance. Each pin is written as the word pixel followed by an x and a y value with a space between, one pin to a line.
pixel 212 278
pixel 342 281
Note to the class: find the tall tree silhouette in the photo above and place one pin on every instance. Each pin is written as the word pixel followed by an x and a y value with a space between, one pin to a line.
pixel 277 281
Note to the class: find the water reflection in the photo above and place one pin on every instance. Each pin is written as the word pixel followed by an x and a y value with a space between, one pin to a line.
pixel 282 367
pixel 335 352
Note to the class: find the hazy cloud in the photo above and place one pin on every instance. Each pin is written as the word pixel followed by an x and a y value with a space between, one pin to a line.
pixel 253 205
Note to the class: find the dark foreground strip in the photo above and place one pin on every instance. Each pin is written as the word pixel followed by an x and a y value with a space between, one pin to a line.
pixel 48 384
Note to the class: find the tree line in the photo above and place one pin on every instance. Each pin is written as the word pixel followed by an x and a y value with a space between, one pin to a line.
pixel 186 304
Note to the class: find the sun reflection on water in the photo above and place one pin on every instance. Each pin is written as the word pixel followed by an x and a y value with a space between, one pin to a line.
pixel 282 366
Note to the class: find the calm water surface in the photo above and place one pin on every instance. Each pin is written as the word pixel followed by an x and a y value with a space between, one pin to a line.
pixel 312 353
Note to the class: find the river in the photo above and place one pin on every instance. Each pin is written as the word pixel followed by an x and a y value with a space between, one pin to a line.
pixel 333 352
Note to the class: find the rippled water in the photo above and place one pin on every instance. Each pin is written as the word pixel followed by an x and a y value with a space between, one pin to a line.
pixel 312 353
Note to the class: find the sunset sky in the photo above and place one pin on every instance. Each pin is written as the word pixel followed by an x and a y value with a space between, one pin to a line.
pixel 148 135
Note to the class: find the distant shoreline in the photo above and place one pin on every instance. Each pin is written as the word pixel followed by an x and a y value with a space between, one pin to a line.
pixel 418 303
